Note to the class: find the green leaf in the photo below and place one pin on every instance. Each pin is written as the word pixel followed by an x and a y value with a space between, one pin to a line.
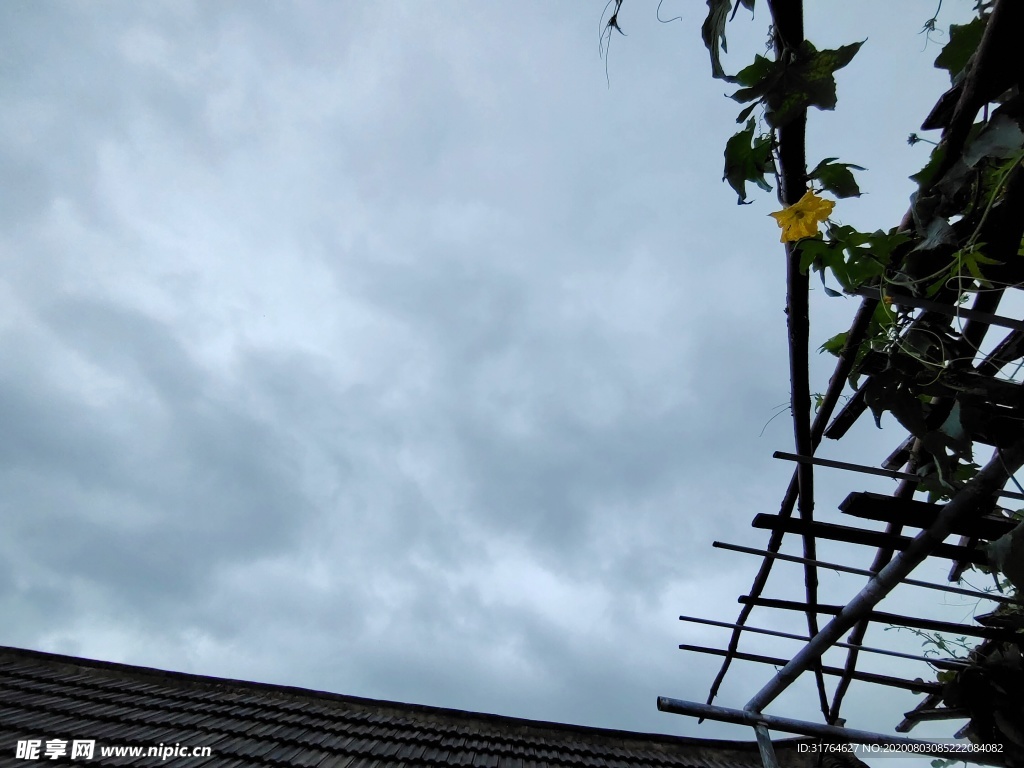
pixel 745 112
pixel 976 256
pixel 931 483
pixel 855 258
pixel 748 159
pixel 789 88
pixel 969 260
pixel 813 250
pixel 832 293
pixel 825 254
pixel 810 82
pixel 757 79
pixel 834 346
pixel 885 392
pixel 963 42
pixel 836 177
pixel 926 175
pixel 965 472
pixel 882 244
pixel 860 269
pixel 713 33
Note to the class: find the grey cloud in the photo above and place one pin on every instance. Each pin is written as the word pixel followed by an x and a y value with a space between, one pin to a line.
pixel 383 350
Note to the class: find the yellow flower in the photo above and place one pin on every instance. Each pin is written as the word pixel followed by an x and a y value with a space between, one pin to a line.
pixel 802 218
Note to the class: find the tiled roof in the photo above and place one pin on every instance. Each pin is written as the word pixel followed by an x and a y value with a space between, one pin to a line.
pixel 46 696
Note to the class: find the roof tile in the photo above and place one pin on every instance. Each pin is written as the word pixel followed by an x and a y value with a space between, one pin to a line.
pixel 249 724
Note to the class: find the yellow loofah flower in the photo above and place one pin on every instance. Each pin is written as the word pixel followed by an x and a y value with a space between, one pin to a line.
pixel 802 218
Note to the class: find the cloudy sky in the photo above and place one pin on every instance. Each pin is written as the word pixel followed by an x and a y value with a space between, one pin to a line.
pixel 390 349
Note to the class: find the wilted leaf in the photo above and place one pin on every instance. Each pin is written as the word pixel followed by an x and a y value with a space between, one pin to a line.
pixel 713 33
pixel 1001 138
pixel 938 232
pixel 952 426
pixel 1006 554
pixel 953 435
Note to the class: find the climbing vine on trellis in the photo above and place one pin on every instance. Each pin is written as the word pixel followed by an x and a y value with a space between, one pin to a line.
pixel 962 236
pixel 932 257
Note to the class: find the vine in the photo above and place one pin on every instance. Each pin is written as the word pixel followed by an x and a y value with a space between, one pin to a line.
pixel 963 236
pixel 909 361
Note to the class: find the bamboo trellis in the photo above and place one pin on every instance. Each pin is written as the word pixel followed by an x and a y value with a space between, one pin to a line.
pixel 990 408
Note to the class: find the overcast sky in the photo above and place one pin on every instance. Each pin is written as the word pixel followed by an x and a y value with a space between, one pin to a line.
pixel 389 349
